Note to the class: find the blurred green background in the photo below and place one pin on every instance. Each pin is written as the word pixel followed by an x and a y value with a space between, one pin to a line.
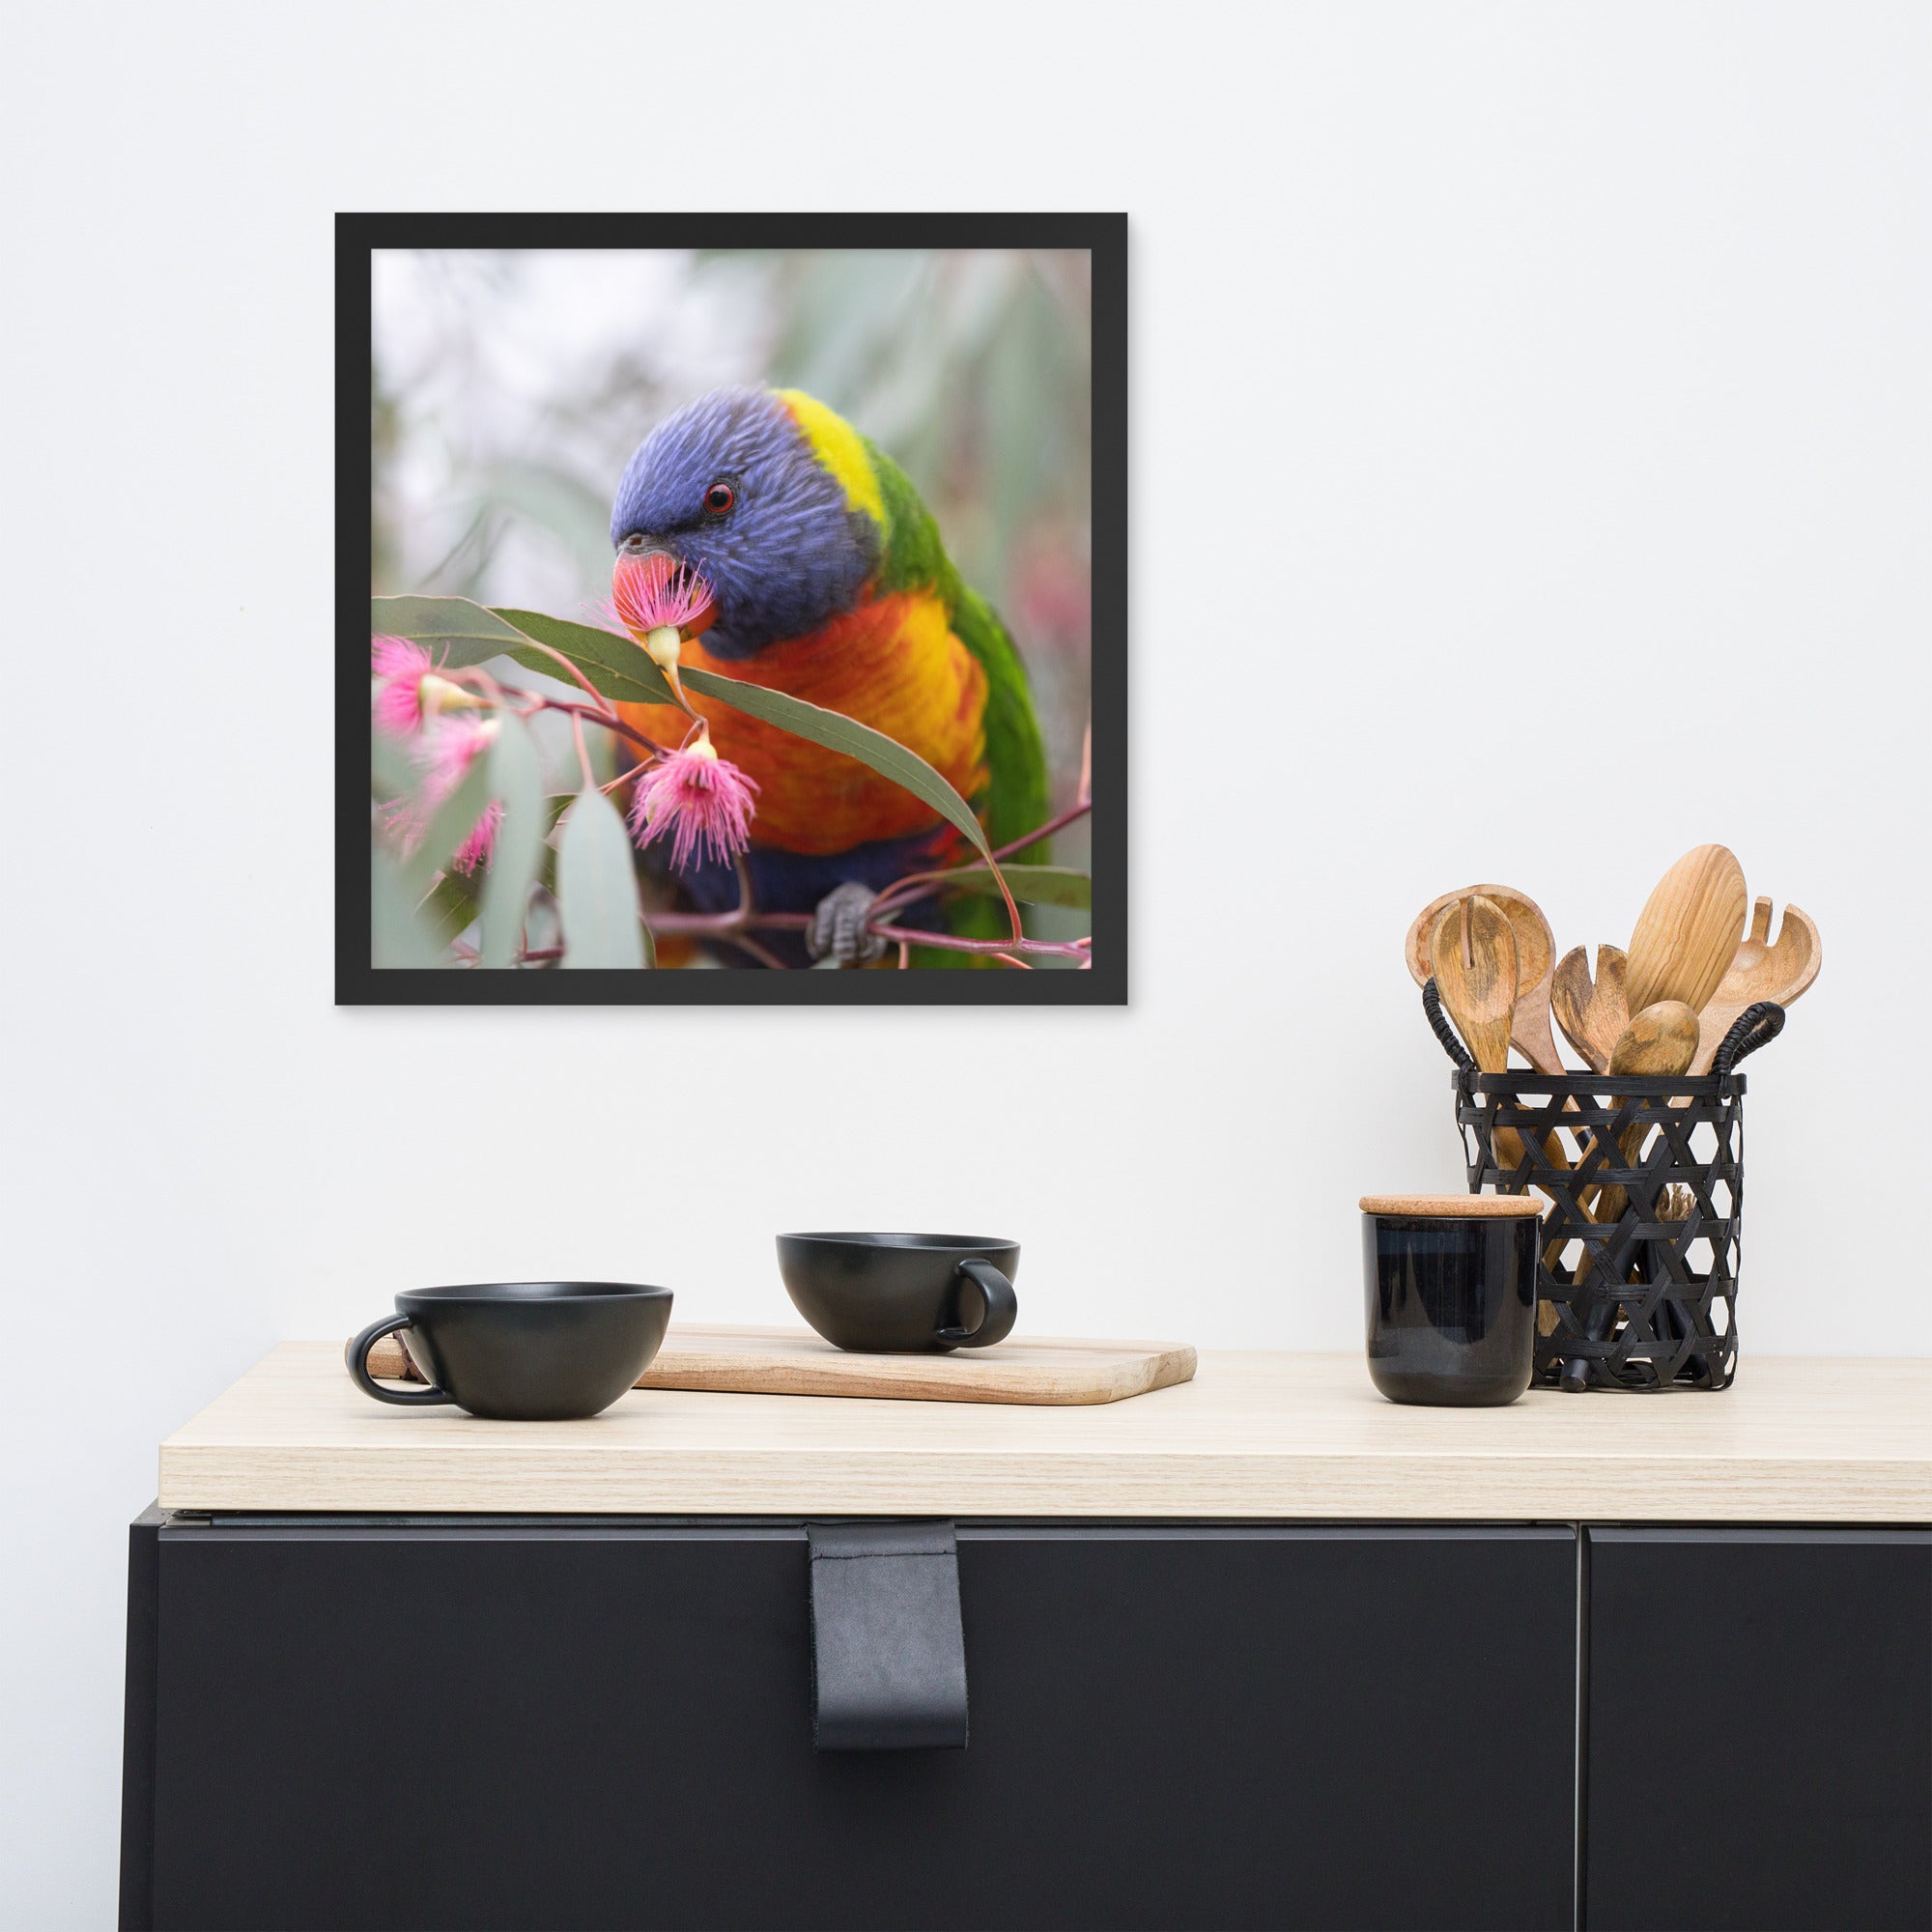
pixel 510 387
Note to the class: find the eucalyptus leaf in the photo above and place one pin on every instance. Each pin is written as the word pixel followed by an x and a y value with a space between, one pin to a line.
pixel 618 667
pixel 450 909
pixel 838 733
pixel 515 778
pixel 1034 885
pixel 597 887
pixel 622 670
pixel 397 937
pixel 392 773
pixel 458 631
pixel 555 806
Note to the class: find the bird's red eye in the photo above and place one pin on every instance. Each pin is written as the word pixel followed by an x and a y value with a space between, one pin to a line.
pixel 719 498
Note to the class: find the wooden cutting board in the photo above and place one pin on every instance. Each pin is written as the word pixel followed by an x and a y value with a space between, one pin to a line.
pixel 794 1361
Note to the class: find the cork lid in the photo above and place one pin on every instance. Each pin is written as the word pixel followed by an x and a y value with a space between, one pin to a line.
pixel 1456 1207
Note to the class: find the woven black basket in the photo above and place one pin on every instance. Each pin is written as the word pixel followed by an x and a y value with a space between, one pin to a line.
pixel 1647 1300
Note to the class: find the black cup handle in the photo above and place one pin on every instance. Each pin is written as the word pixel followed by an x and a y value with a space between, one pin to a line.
pixel 1003 1307
pixel 356 1355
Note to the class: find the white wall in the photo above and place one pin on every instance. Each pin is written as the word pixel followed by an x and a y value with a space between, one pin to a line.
pixel 1531 480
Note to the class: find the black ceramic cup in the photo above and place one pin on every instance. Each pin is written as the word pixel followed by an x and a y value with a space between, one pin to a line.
pixel 1451 1287
pixel 902 1294
pixel 520 1351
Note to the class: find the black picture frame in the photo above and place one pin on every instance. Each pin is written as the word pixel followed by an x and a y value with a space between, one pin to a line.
pixel 360 983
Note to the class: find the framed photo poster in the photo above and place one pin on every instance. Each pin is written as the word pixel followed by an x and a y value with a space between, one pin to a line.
pixel 747 609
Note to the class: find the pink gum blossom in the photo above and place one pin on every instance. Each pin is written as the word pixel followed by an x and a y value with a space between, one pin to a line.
pixel 402 666
pixel 446 757
pixel 656 592
pixel 701 802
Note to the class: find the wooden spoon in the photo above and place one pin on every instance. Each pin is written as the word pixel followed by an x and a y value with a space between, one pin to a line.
pixel 1535 963
pixel 1760 970
pixel 1688 932
pixel 1659 1043
pixel 1472 955
pixel 1593 1016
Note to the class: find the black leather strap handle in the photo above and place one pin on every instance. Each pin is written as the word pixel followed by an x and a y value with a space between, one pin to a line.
pixel 1438 1020
pixel 1755 1027
pixel 888 1653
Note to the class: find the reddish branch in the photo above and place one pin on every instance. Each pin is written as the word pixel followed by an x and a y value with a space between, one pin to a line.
pixel 734 927
pixel 993 949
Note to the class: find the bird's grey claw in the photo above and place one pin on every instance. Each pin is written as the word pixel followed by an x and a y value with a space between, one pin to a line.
pixel 838 929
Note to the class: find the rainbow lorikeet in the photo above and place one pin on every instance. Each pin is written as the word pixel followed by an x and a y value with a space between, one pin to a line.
pixel 829 582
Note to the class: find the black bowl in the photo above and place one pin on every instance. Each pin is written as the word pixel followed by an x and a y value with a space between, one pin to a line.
pixel 902 1294
pixel 523 1351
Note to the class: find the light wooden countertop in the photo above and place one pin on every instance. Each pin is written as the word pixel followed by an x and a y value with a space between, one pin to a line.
pixel 1253 1435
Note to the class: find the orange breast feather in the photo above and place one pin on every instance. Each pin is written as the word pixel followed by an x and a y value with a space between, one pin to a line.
pixel 895 665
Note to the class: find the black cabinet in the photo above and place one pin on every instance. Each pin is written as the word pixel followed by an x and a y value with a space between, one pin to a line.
pixel 558 1722
pixel 607 1723
pixel 1760 1729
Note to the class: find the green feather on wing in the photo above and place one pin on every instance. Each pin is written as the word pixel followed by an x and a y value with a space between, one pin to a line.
pixel 913 558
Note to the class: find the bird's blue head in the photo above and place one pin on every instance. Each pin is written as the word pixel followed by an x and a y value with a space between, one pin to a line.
pixel 759 491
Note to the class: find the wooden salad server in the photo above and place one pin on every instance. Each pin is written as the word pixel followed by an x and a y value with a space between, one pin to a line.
pixel 1472 959
pixel 1760 969
pixel 1472 955
pixel 1593 1014
pixel 1535 962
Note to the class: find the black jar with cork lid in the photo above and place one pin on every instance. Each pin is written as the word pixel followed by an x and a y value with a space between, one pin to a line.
pixel 1450 1283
